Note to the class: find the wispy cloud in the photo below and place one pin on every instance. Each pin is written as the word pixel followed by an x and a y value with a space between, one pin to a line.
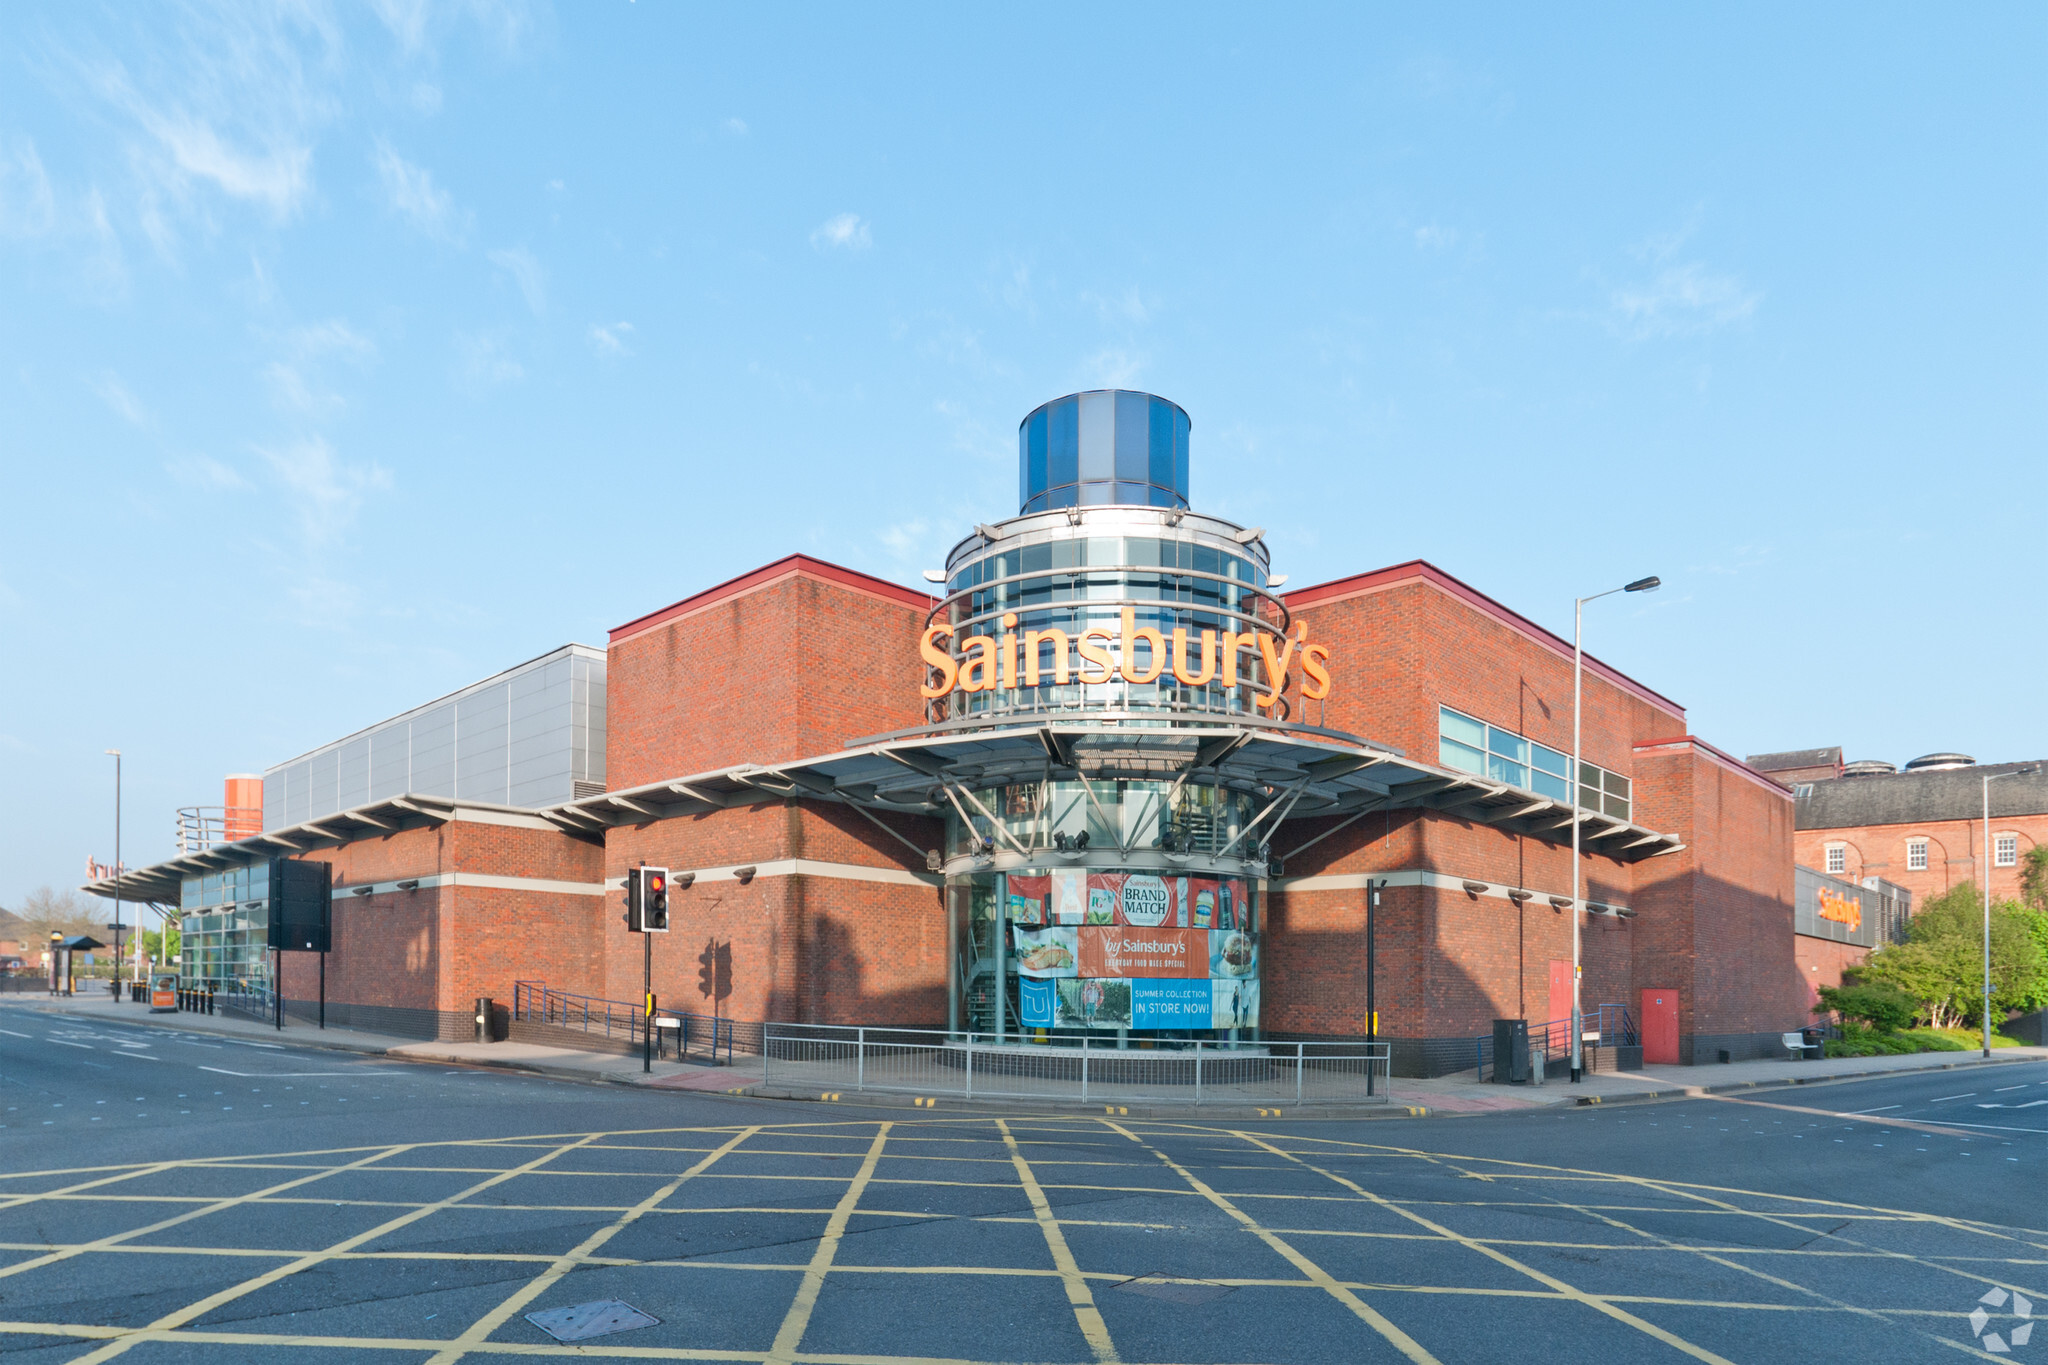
pixel 1434 237
pixel 526 273
pixel 28 207
pixel 485 360
pixel 1113 368
pixel 115 395
pixel 1127 308
pixel 847 231
pixel 205 473
pixel 1682 300
pixel 609 339
pixel 734 127
pixel 325 492
pixel 410 192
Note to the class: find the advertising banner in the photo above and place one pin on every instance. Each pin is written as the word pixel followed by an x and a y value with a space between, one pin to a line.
pixel 1233 955
pixel 1171 1004
pixel 1117 951
pixel 1094 1004
pixel 1234 1004
pixel 1037 1003
pixel 1048 952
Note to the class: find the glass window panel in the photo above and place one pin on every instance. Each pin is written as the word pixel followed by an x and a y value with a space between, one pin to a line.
pixel 1550 760
pixel 1066 554
pixel 1507 744
pixel 1616 784
pixel 1589 797
pixel 1133 439
pixel 1462 728
pixel 1208 559
pixel 1105 551
pixel 1462 757
pixel 188 894
pixel 1035 558
pixel 1132 493
pixel 1180 454
pixel 1546 784
pixel 1063 443
pixel 1098 494
pixel 1035 452
pixel 1098 437
pixel 1159 497
pixel 1500 770
pixel 1067 496
pixel 1159 442
pixel 1617 806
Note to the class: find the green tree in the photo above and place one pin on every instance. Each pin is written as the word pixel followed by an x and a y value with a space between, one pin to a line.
pixel 153 946
pixel 2034 878
pixel 1941 963
pixel 1885 1008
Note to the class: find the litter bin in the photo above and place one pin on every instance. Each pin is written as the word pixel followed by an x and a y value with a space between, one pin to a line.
pixel 483 1019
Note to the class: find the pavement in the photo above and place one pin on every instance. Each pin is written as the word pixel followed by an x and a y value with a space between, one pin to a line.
pixel 1409 1098
pixel 187 1194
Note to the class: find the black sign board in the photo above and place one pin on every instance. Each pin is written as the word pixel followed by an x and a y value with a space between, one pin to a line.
pixel 301 901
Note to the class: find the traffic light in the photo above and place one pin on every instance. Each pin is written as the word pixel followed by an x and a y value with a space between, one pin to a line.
pixel 654 900
pixel 632 900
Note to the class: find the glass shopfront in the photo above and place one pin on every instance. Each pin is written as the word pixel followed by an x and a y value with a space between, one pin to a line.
pixel 1119 914
pixel 224 930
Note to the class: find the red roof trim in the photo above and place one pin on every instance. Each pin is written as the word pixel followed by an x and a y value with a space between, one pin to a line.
pixel 770 573
pixel 1726 758
pixel 1378 579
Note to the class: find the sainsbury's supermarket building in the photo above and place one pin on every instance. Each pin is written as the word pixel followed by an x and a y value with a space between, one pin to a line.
pixel 1107 779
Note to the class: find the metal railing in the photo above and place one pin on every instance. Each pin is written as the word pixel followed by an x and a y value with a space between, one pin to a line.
pixel 202 827
pixel 535 1002
pixel 934 1062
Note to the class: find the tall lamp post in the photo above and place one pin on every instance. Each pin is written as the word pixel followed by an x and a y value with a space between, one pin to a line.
pixel 116 754
pixel 1989 778
pixel 1650 584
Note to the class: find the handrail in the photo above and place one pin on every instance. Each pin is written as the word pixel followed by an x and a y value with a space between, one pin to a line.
pixel 537 1002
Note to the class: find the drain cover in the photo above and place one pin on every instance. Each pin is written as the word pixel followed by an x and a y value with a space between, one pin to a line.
pixel 1158 1285
pixel 587 1320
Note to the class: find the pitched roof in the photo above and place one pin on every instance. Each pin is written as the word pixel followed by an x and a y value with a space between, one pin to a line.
pixel 1797 758
pixel 1918 798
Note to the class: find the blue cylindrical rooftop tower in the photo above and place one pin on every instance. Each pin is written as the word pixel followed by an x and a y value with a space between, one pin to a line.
pixel 1100 448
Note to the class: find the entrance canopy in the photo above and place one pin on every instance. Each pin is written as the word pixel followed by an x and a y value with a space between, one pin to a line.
pixel 1300 772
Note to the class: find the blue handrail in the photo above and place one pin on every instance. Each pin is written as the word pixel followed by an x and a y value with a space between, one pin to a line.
pixel 537 1002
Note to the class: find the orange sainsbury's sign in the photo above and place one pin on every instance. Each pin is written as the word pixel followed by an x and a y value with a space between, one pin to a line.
pixel 1020 659
pixel 1843 910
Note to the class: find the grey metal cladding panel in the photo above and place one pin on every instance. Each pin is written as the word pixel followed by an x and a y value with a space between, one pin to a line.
pixel 273 799
pixel 539 765
pixel 296 793
pixel 481 783
pixel 556 741
pixel 320 782
pixel 390 758
pixel 483 708
pixel 352 778
pixel 433 752
pixel 546 790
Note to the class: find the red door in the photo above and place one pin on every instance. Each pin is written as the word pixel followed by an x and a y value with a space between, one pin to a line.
pixel 1660 1026
pixel 1560 1014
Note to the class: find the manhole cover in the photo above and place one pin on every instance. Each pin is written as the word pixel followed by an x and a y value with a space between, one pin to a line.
pixel 1158 1285
pixel 587 1320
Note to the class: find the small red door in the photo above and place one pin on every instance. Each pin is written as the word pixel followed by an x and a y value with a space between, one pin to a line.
pixel 1559 1018
pixel 1660 1026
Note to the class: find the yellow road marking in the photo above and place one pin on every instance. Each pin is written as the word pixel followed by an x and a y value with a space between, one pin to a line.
pixel 1400 1340
pixel 1082 1299
pixel 1593 1301
pixel 180 1317
pixel 790 1337
pixel 490 1322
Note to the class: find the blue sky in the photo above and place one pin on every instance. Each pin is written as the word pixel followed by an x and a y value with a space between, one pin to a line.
pixel 350 355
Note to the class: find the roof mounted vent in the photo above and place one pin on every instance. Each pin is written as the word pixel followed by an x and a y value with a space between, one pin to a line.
pixel 1932 763
pixel 1868 767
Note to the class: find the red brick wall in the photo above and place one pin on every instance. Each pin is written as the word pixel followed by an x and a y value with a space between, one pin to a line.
pixel 788 668
pixel 1822 962
pixel 1955 853
pixel 441 947
pixel 804 949
pixel 1399 648
pixel 1715 919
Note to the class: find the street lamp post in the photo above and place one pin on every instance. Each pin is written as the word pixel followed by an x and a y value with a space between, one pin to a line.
pixel 1650 584
pixel 116 753
pixel 1989 778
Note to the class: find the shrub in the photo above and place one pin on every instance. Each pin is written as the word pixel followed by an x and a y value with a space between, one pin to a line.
pixel 1883 1007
